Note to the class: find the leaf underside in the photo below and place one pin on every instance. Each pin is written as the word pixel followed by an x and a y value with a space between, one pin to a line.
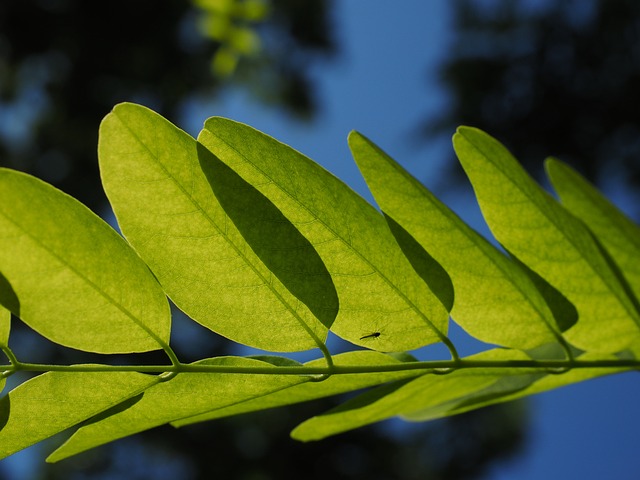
pixel 550 241
pixel 377 288
pixel 71 277
pixel 258 243
pixel 201 254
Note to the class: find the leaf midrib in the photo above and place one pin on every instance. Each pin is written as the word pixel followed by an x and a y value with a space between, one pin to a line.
pixel 440 335
pixel 475 238
pixel 86 279
pixel 224 235
pixel 621 300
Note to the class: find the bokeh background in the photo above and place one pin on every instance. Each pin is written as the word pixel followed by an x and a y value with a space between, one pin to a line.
pixel 547 77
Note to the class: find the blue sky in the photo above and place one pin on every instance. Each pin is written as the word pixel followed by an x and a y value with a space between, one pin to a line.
pixel 383 85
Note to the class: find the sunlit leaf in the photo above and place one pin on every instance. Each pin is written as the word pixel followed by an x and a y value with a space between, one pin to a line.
pixel 379 291
pixel 551 241
pixel 70 276
pixel 186 395
pixel 55 401
pixel 394 399
pixel 230 260
pixel 5 326
pixel 258 243
pixel 495 300
pixel 312 390
pixel 617 233
pixel 502 390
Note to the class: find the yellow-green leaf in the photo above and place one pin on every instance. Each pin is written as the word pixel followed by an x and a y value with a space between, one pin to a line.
pixel 503 391
pixel 428 390
pixel 71 277
pixel 303 392
pixel 230 260
pixel 5 326
pixel 54 401
pixel 553 243
pixel 495 300
pixel 186 395
pixel 617 232
pixel 379 291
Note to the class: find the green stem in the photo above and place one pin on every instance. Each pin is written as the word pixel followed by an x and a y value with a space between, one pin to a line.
pixel 12 358
pixel 427 366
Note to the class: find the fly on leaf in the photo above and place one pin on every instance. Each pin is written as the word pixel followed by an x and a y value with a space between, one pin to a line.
pixel 371 335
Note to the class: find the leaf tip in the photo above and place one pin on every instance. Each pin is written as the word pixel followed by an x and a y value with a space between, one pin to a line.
pixel 355 137
pixel 300 435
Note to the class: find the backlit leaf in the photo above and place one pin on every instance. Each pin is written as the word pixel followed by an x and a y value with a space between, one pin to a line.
pixel 617 233
pixel 186 395
pixel 54 401
pixel 379 291
pixel 312 390
pixel 551 241
pixel 71 277
pixel 495 300
pixel 503 391
pixel 394 399
pixel 5 326
pixel 230 260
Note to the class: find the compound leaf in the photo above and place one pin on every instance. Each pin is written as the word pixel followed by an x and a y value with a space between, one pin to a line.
pixel 54 401
pixel 495 300
pixel 526 385
pixel 186 395
pixel 617 233
pixel 379 292
pixel 303 392
pixel 406 395
pixel 71 277
pixel 549 240
pixel 229 260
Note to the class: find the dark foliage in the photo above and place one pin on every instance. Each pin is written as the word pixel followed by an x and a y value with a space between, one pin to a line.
pixel 65 63
pixel 560 78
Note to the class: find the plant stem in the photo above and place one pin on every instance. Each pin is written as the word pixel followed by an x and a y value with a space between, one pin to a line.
pixel 528 366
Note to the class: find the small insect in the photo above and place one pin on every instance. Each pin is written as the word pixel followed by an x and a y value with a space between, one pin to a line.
pixel 371 335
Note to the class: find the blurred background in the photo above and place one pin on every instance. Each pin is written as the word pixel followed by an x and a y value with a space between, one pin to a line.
pixel 547 77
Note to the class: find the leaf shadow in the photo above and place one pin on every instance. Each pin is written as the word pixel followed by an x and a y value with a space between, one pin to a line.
pixel 114 410
pixel 273 238
pixel 563 311
pixel 8 297
pixel 5 410
pixel 433 274
pixel 502 387
pixel 617 271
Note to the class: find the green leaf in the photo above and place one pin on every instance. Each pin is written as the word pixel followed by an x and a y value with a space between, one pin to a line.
pixel 5 326
pixel 71 277
pixel 303 392
pixel 230 260
pixel 394 399
pixel 185 395
pixel 551 241
pixel 617 233
pixel 525 385
pixel 54 401
pixel 495 300
pixel 379 291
